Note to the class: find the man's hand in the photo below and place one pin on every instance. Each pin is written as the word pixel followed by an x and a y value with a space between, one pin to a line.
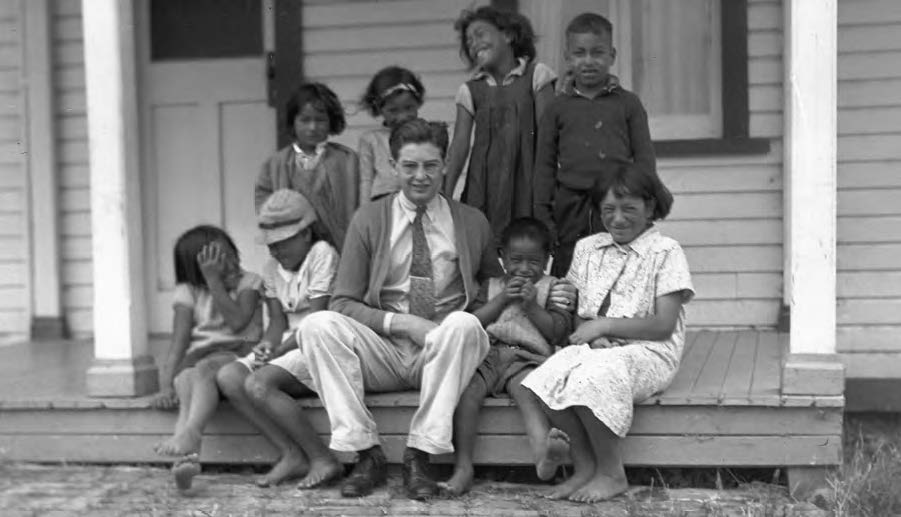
pixel 563 295
pixel 412 327
pixel 603 342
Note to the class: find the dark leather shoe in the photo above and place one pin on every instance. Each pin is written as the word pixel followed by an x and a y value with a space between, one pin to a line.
pixel 370 471
pixel 417 480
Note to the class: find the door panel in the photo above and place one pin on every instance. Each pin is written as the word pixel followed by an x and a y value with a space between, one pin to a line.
pixel 207 128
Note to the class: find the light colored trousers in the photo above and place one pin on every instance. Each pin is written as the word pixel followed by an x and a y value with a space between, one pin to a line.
pixel 347 359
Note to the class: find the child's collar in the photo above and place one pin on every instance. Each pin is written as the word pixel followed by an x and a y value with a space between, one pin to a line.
pixel 611 85
pixel 639 245
pixel 518 70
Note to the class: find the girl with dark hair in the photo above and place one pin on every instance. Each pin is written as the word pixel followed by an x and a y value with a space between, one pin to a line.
pixel 633 284
pixel 503 101
pixel 217 319
pixel 395 94
pixel 324 172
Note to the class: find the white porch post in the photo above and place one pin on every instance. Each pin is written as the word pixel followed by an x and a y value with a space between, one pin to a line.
pixel 122 365
pixel 810 196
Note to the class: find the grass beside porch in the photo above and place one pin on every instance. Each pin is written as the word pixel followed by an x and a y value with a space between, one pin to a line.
pixel 724 409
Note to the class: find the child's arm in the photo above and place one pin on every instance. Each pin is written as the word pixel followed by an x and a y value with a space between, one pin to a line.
pixel 367 168
pixel 278 323
pixel 182 322
pixel 640 138
pixel 459 149
pixel 657 327
pixel 553 325
pixel 492 309
pixel 545 175
pixel 237 314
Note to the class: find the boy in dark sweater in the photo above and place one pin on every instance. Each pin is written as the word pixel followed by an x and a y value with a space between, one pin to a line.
pixel 589 128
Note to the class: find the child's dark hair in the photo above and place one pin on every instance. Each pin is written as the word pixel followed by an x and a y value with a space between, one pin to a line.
pixel 516 26
pixel 590 23
pixel 320 96
pixel 382 83
pixel 188 245
pixel 629 180
pixel 418 131
pixel 527 228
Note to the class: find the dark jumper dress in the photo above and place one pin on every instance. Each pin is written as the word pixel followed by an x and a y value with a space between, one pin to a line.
pixel 499 181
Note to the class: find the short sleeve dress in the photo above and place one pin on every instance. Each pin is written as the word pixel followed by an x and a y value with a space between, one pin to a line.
pixel 211 332
pixel 618 282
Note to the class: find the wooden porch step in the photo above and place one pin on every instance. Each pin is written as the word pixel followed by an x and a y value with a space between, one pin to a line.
pixel 724 408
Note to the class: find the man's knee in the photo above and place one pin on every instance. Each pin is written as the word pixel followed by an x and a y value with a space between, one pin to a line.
pixel 467 325
pixel 318 329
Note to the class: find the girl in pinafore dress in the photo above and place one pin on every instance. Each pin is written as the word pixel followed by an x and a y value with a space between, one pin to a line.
pixel 633 283
pixel 324 172
pixel 504 100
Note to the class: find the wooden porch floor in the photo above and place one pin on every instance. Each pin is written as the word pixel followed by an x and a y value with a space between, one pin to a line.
pixel 724 408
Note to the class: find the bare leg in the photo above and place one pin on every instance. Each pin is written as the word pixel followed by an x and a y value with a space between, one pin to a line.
pixel 292 461
pixel 183 384
pixel 466 423
pixel 550 446
pixel 580 450
pixel 609 475
pixel 272 389
pixel 204 400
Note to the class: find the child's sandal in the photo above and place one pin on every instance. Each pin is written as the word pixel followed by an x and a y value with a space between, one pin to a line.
pixel 184 470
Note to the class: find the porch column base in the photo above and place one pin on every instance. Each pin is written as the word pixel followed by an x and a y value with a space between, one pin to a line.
pixel 48 327
pixel 133 377
pixel 813 374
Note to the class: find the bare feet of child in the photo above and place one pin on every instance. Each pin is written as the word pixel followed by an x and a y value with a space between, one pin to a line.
pixel 599 488
pixel 565 489
pixel 185 442
pixel 292 465
pixel 555 453
pixel 321 471
pixel 459 483
pixel 184 470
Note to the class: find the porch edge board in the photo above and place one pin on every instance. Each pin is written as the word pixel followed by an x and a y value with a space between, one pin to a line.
pixel 813 374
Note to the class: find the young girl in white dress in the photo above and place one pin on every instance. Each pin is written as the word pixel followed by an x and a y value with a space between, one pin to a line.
pixel 633 283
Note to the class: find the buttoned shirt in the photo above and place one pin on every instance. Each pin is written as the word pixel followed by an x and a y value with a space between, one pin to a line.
pixel 314 278
pixel 438 225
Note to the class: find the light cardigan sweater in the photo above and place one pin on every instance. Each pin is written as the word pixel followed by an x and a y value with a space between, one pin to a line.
pixel 364 260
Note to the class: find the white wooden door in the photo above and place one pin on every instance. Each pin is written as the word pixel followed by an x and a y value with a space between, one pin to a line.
pixel 207 127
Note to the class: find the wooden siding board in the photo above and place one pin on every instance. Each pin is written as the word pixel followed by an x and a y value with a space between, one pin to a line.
pixel 858 339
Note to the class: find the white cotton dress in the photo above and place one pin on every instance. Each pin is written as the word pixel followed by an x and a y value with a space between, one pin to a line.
pixel 609 381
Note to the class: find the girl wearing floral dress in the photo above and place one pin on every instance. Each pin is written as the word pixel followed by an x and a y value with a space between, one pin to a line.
pixel 633 283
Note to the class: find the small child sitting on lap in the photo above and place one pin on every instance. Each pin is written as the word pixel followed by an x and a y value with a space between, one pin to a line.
pixel 217 318
pixel 297 281
pixel 523 329
pixel 633 283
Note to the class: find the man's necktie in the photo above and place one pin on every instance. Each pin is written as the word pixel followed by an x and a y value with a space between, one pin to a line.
pixel 422 283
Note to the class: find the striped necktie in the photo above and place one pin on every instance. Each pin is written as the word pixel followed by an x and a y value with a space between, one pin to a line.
pixel 422 283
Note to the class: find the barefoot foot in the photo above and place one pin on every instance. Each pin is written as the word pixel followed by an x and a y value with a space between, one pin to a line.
pixel 599 488
pixel 555 453
pixel 321 472
pixel 185 442
pixel 565 489
pixel 184 470
pixel 459 483
pixel 291 465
